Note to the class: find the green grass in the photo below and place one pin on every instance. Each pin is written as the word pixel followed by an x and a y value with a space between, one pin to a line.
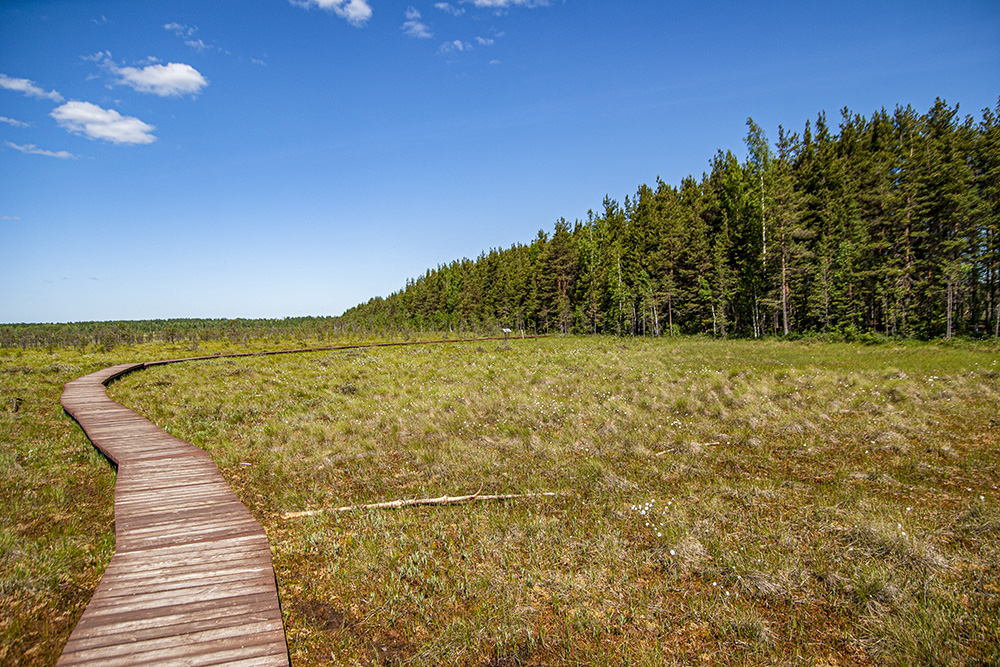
pixel 730 502
pixel 56 512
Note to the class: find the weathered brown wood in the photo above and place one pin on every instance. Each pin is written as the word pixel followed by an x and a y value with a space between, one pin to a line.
pixel 191 581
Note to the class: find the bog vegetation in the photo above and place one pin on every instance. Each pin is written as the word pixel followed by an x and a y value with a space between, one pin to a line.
pixel 752 502
pixel 742 502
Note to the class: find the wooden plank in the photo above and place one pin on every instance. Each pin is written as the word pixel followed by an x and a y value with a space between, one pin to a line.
pixel 254 606
pixel 191 581
pixel 226 652
pixel 189 554
pixel 140 600
pixel 153 639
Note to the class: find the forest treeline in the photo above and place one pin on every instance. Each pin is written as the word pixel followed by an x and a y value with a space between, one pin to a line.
pixel 887 226
pixel 109 335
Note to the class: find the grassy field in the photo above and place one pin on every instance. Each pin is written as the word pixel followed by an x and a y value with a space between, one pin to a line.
pixel 720 502
pixel 56 515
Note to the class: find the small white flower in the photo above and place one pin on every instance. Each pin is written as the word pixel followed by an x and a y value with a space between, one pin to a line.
pixel 673 553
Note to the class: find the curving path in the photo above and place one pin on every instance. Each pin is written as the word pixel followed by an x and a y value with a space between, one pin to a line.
pixel 191 582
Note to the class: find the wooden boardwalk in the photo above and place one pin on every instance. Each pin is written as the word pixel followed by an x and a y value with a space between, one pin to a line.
pixel 191 581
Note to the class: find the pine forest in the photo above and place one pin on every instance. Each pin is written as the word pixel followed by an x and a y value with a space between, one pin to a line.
pixel 885 226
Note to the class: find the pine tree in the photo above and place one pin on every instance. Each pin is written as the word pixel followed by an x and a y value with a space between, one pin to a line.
pixel 758 176
pixel 788 233
pixel 613 233
pixel 590 243
pixel 943 210
pixel 903 196
pixel 559 264
pixel 696 306
pixel 724 205
pixel 986 161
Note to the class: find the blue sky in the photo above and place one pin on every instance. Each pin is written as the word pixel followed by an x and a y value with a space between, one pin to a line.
pixel 272 158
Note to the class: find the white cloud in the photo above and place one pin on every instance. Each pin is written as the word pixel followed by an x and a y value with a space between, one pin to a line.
pixel 181 30
pixel 9 217
pixel 483 41
pixel 163 80
pixel 187 33
pixel 172 79
pixel 11 121
pixel 456 45
pixel 504 4
pixel 98 57
pixel 414 27
pixel 357 12
pixel 31 149
pixel 105 124
pixel 28 88
pixel 451 9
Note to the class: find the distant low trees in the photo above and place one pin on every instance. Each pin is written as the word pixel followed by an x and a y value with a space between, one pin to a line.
pixel 889 225
pixel 109 335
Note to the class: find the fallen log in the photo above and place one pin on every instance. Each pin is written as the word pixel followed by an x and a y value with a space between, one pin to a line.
pixel 443 500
